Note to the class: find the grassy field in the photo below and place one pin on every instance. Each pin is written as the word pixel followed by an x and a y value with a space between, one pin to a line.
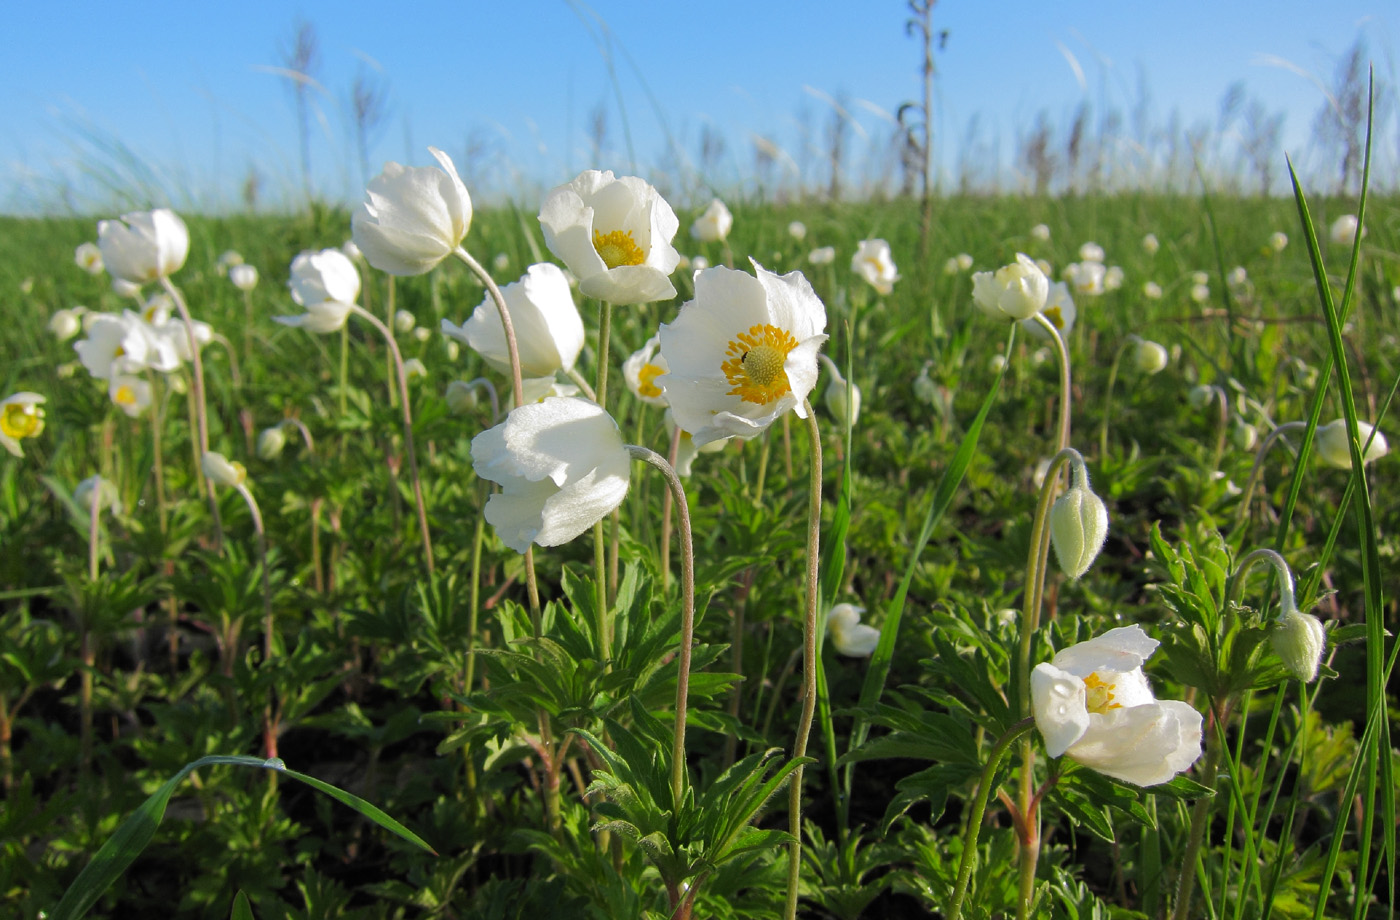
pixel 536 765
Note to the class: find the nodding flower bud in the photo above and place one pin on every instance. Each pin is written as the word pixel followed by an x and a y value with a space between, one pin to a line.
pixel 1150 357
pixel 221 471
pixel 1200 396
pixel 1299 640
pixel 271 441
pixel 461 397
pixel 1078 525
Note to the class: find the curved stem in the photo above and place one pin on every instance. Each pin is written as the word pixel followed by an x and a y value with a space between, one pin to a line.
pixel 677 489
pixel 666 502
pixel 979 809
pixel 580 382
pixel 1258 469
pixel 810 662
pixel 517 382
pixel 301 428
pixel 1286 602
pixel 407 431
pixel 201 411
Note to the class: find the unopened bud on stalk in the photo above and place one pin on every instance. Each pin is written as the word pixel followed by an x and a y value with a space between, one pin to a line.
pixel 271 441
pixel 1150 357
pixel 1078 525
pixel 223 472
pixel 461 397
pixel 1299 640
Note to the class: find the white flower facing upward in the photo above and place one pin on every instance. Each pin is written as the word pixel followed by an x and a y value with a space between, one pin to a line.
pixel 548 328
pixel 1013 292
pixel 1092 702
pixel 129 393
pixel 221 471
pixel 615 235
pixel 412 217
pixel 143 245
pixel 1086 277
pixel 327 284
pixel 20 417
pixel 641 370
pixel 1333 447
pixel 124 343
pixel 742 353
pixel 875 264
pixel 561 465
pixel 1091 252
pixel 849 636
pixel 714 225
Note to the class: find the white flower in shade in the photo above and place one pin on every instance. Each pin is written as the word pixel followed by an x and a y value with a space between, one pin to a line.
pixel 548 328
pixel 130 394
pixel 614 234
pixel 1237 276
pixel 874 263
pixel 1149 357
pixel 65 324
pixel 221 471
pixel 351 251
pixel 849 636
pixel 1152 290
pixel 642 368
pixel 1093 703
pixel 950 267
pixel 836 392
pixel 244 277
pixel 123 288
pixel 742 353
pixel 404 321
pixel 1333 447
pixel 1200 396
pixel 172 338
pixel 1013 292
pixel 143 245
pixel 1078 527
pixel 124 344
pixel 699 263
pixel 797 230
pixel 1086 277
pixel 1299 639
pixel 1200 293
pixel 88 257
pixel 714 225
pixel 1113 278
pixel 422 333
pixel 20 417
pixel 1343 230
pixel 461 397
pixel 1200 278
pixel 538 389
pixel 1150 244
pixel 326 283
pixel 501 262
pixel 996 363
pixel 822 255
pixel 561 465
pixel 104 491
pixel 1040 232
pixel 964 261
pixel 925 390
pixel 412 217
pixel 228 259
pixel 1059 310
pixel 414 368
pixel 1091 252
pixel 271 441
pixel 1278 241
pixel 686 448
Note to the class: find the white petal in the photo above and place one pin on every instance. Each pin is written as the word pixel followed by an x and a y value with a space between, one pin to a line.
pixel 1144 745
pixel 1060 703
pixel 1122 649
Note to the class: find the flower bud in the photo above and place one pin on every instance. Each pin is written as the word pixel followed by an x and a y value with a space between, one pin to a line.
pixel 1278 241
pixel 271 441
pixel 835 398
pixel 1245 435
pixel 1078 528
pixel 1200 396
pixel 221 471
pixel 1040 232
pixel 413 368
pixel 244 277
pixel 1299 640
pixel 66 323
pixel 1150 357
pixel 404 321
pixel 797 230
pixel 104 490
pixel 1015 292
pixel 1334 450
pixel 461 397
pixel 1150 244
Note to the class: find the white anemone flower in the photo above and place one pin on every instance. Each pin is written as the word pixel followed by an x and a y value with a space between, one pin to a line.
pixel 1040 232
pixel 548 328
pixel 1343 230
pixel 1093 703
pixel 561 465
pixel 822 255
pixel 20 417
pixel 614 234
pixel 124 344
pixel 875 264
pixel 1278 241
pixel 130 394
pixel 1059 310
pixel 66 323
pixel 836 392
pixel 797 230
pixel 1013 292
pixel 143 245
pixel 89 258
pixel 742 353
pixel 714 225
pixel 1091 252
pixel 1333 447
pixel 849 636
pixel 1086 277
pixel 327 285
pixel 1150 244
pixel 221 471
pixel 244 277
pixel 412 217
pixel 642 368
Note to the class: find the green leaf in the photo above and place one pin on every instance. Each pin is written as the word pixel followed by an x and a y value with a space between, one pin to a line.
pixel 242 910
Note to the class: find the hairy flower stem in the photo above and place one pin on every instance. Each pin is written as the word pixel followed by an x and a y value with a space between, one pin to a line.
pixel 666 502
pixel 600 575
pixel 979 810
pixel 1286 602
pixel 407 432
pixel 1258 468
pixel 1200 818
pixel 677 490
pixel 810 662
pixel 269 723
pixel 201 410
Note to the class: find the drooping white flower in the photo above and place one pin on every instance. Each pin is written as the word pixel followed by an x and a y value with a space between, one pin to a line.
pixel 849 636
pixel 614 234
pixel 143 245
pixel 797 230
pixel 66 323
pixel 129 393
pixel 1333 447
pixel 244 277
pixel 925 390
pixel 1150 244
pixel 1278 241
pixel 1343 230
pixel 562 467
pixel 1059 310
pixel 461 397
pixel 1040 232
pixel 88 257
pixel 641 369
pixel 404 321
pixel 1092 702
pixel 271 441
pixel 1149 357
pixel 836 392
pixel 822 255
pixel 20 417
pixel 714 225
pixel 96 488
pixel 412 217
pixel 548 328
pixel 326 284
pixel 743 352
pixel 875 264
pixel 221 471
pixel 1013 292
pixel 414 368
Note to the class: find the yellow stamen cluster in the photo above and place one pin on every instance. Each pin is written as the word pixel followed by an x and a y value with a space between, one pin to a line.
pixel 646 381
pixel 21 420
pixel 755 364
pixel 1100 695
pixel 618 248
pixel 1056 319
pixel 125 396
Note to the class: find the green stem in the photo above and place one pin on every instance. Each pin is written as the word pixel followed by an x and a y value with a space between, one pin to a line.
pixel 198 399
pixel 344 365
pixel 1200 815
pixel 979 810
pixel 1108 400
pixel 810 661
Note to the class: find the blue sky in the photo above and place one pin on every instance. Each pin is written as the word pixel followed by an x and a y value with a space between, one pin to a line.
pixel 177 102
